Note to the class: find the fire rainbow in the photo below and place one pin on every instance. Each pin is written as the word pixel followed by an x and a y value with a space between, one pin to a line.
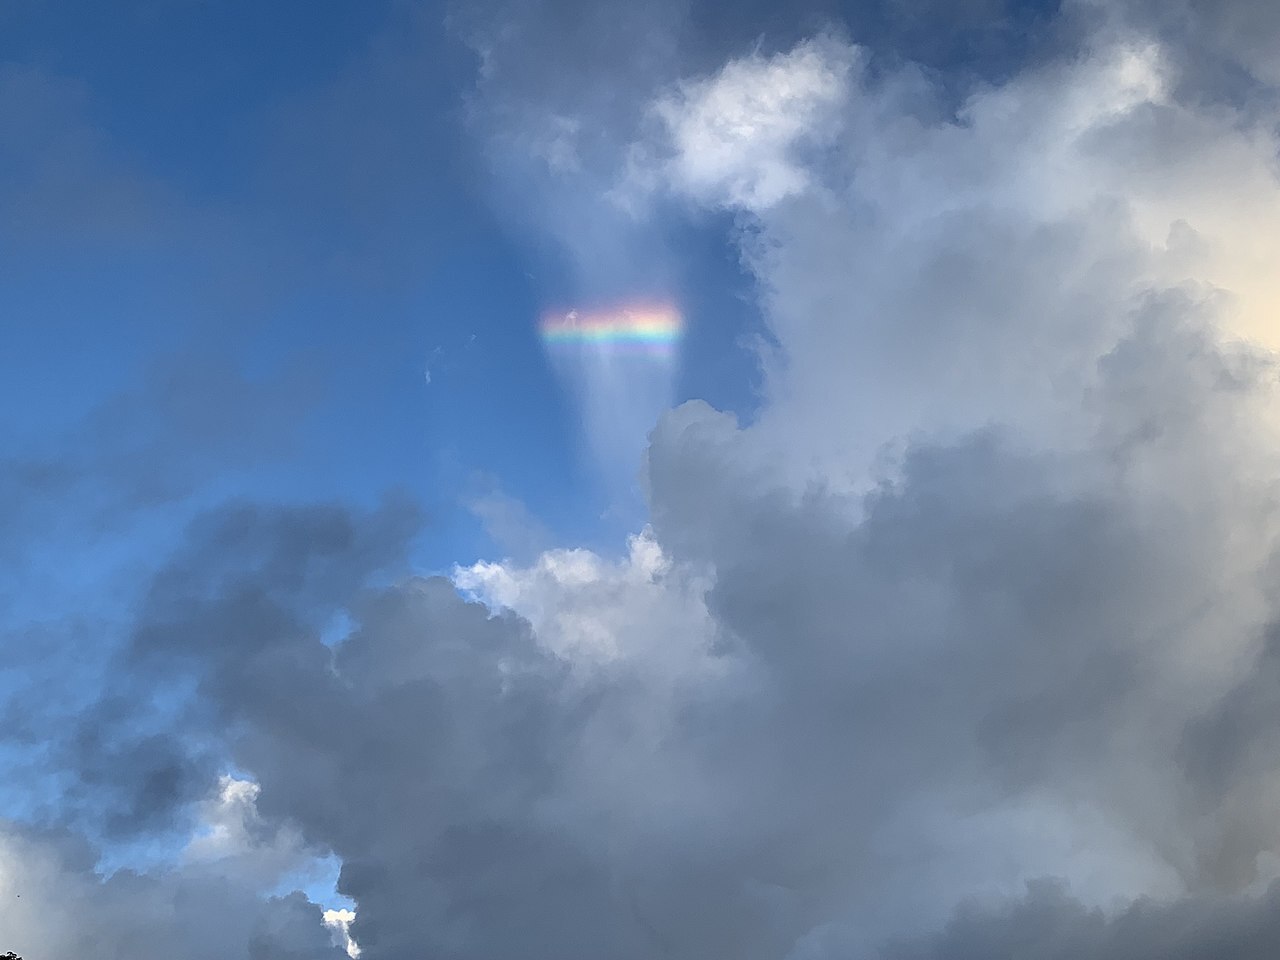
pixel 651 330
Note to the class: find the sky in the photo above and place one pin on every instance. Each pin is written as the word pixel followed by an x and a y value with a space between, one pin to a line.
pixel 671 480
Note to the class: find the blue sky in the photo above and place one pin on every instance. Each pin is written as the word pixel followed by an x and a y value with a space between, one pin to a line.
pixel 301 199
pixel 935 568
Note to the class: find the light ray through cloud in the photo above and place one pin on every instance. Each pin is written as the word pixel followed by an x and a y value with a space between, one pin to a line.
pixel 619 364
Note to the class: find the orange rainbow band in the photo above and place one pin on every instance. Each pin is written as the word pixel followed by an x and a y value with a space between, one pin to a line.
pixel 652 328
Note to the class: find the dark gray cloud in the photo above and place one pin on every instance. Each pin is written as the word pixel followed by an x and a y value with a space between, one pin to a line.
pixel 1048 924
pixel 290 929
pixel 133 782
pixel 256 585
pixel 971 648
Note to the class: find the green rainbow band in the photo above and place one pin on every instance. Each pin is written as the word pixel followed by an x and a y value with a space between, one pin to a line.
pixel 653 326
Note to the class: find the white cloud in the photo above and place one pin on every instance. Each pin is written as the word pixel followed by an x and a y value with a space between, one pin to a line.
pixel 227 819
pixel 935 274
pixel 234 839
pixel 339 921
pixel 737 138
pixel 592 611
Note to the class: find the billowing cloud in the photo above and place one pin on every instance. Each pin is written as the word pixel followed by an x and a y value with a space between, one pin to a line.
pixel 901 286
pixel 738 138
pixel 979 597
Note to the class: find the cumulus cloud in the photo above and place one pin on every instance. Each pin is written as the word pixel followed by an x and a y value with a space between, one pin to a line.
pixel 236 837
pixel 982 593
pixel 737 138
pixel 789 723
pixel 950 271
pixel 590 610
pixel 339 921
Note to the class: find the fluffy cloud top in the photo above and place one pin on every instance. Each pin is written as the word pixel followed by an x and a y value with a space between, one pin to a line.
pixel 738 138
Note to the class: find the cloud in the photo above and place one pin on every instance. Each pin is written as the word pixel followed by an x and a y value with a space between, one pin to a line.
pixel 339 921
pixel 789 714
pixel 590 610
pixel 736 137
pixel 140 764
pixel 948 271
pixel 507 521
pixel 235 836
pixel 784 713
pixel 1048 922
pixel 554 139
pixel 56 906
pixel 969 604
pixel 619 365
pixel 1226 47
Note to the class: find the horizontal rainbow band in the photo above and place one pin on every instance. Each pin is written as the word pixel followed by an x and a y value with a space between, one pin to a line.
pixel 646 329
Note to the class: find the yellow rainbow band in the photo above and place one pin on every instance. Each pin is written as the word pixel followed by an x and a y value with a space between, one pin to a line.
pixel 653 326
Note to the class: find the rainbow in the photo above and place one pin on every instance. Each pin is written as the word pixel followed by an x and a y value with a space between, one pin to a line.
pixel 652 330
